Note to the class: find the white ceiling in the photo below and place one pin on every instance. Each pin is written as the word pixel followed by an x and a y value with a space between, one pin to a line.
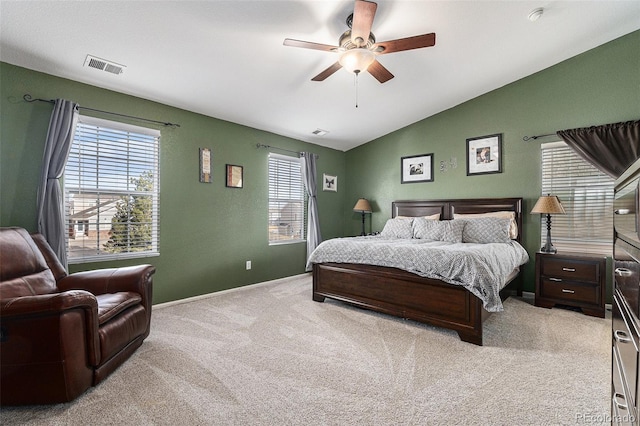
pixel 225 59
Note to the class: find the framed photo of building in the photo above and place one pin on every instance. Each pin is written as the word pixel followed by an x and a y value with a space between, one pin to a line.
pixel 234 176
pixel 484 155
pixel 416 168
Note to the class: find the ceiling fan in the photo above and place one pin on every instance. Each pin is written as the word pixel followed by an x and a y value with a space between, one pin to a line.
pixel 358 48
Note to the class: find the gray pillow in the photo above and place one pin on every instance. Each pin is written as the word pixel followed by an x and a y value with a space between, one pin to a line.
pixel 397 228
pixel 438 230
pixel 486 230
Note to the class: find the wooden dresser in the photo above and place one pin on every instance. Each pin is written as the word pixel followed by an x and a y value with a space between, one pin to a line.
pixel 625 355
pixel 571 279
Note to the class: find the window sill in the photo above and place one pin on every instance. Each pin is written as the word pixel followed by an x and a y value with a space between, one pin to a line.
pixel 110 257
pixel 284 242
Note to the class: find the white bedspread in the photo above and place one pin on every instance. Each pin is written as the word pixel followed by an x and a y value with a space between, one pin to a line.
pixel 480 268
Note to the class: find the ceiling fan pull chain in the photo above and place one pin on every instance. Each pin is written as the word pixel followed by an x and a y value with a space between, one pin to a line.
pixel 356 83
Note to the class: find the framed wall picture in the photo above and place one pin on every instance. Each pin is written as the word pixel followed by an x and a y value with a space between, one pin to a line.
pixel 234 176
pixel 416 168
pixel 205 165
pixel 484 155
pixel 329 183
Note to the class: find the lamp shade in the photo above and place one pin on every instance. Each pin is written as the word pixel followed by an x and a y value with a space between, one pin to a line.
pixel 357 60
pixel 548 204
pixel 362 206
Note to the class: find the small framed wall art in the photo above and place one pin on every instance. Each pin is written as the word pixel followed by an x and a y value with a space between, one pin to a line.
pixel 234 176
pixel 484 155
pixel 416 168
pixel 329 183
pixel 205 165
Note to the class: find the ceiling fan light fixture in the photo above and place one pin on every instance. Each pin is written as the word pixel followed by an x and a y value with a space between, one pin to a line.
pixel 357 60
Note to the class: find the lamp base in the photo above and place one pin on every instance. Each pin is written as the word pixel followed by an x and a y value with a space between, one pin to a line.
pixel 548 249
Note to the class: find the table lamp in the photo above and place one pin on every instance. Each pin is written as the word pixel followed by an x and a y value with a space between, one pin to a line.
pixel 548 204
pixel 363 207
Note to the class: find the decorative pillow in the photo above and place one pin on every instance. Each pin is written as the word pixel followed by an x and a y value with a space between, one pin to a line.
pixel 513 225
pixel 397 228
pixel 438 230
pixel 430 217
pixel 485 230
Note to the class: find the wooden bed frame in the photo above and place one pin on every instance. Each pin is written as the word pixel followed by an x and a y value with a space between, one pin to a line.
pixel 406 295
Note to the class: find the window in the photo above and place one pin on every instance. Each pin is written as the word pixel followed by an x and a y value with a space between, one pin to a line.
pixel 111 191
pixel 586 194
pixel 286 200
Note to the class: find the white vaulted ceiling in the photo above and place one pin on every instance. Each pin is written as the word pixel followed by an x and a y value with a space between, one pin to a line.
pixel 225 59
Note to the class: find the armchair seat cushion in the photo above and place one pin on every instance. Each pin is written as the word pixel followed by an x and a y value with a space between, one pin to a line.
pixel 111 304
pixel 121 330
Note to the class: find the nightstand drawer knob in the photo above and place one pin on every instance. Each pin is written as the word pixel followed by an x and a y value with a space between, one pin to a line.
pixel 621 336
pixel 569 269
pixel 623 272
pixel 558 280
pixel 566 290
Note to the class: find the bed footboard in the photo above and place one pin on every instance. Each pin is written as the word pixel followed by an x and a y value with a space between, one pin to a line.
pixel 402 294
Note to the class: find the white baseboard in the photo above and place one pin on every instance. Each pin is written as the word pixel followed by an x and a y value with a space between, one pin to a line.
pixel 221 292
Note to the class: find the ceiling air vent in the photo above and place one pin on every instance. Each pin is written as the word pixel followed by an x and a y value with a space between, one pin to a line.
pixel 104 65
pixel 319 132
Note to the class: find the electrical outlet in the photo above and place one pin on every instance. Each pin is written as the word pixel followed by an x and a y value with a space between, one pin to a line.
pixel 248 265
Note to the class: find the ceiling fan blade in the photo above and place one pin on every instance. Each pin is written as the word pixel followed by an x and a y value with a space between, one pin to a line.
pixel 309 45
pixel 379 72
pixel 326 73
pixel 363 14
pixel 409 43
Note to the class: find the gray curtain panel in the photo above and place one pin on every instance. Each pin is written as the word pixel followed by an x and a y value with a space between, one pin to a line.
pixel 313 225
pixel 610 147
pixel 50 197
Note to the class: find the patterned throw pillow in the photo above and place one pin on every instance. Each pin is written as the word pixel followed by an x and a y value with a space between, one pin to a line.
pixel 438 230
pixel 513 226
pixel 485 230
pixel 397 228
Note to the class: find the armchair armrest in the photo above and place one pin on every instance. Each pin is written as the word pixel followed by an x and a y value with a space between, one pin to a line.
pixel 56 304
pixel 48 304
pixel 112 280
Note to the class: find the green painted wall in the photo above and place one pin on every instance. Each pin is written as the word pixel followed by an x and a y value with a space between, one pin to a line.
pixel 207 231
pixel 600 86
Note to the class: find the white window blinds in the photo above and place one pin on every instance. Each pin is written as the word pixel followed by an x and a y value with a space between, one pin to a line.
pixel 586 194
pixel 286 200
pixel 111 185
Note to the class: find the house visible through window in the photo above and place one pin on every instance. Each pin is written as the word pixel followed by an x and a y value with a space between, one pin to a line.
pixel 286 200
pixel 111 185
pixel 586 194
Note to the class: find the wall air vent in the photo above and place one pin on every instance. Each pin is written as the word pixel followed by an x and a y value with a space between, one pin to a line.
pixel 104 65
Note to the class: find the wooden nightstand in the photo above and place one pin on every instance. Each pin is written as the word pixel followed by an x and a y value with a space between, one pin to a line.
pixel 571 279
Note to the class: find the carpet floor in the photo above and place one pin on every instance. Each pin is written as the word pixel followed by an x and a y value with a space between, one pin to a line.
pixel 268 355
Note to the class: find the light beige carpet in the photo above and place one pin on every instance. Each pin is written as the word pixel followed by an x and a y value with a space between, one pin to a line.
pixel 269 355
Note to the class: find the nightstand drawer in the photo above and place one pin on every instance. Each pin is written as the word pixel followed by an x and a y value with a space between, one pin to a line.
pixel 575 292
pixel 571 269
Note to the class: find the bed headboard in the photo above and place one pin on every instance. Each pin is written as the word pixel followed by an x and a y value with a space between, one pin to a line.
pixel 447 208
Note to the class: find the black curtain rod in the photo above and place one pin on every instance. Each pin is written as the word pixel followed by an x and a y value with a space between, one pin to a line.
pixel 528 138
pixel 28 98
pixel 260 145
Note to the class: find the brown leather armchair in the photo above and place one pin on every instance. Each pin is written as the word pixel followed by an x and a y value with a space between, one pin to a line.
pixel 61 334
